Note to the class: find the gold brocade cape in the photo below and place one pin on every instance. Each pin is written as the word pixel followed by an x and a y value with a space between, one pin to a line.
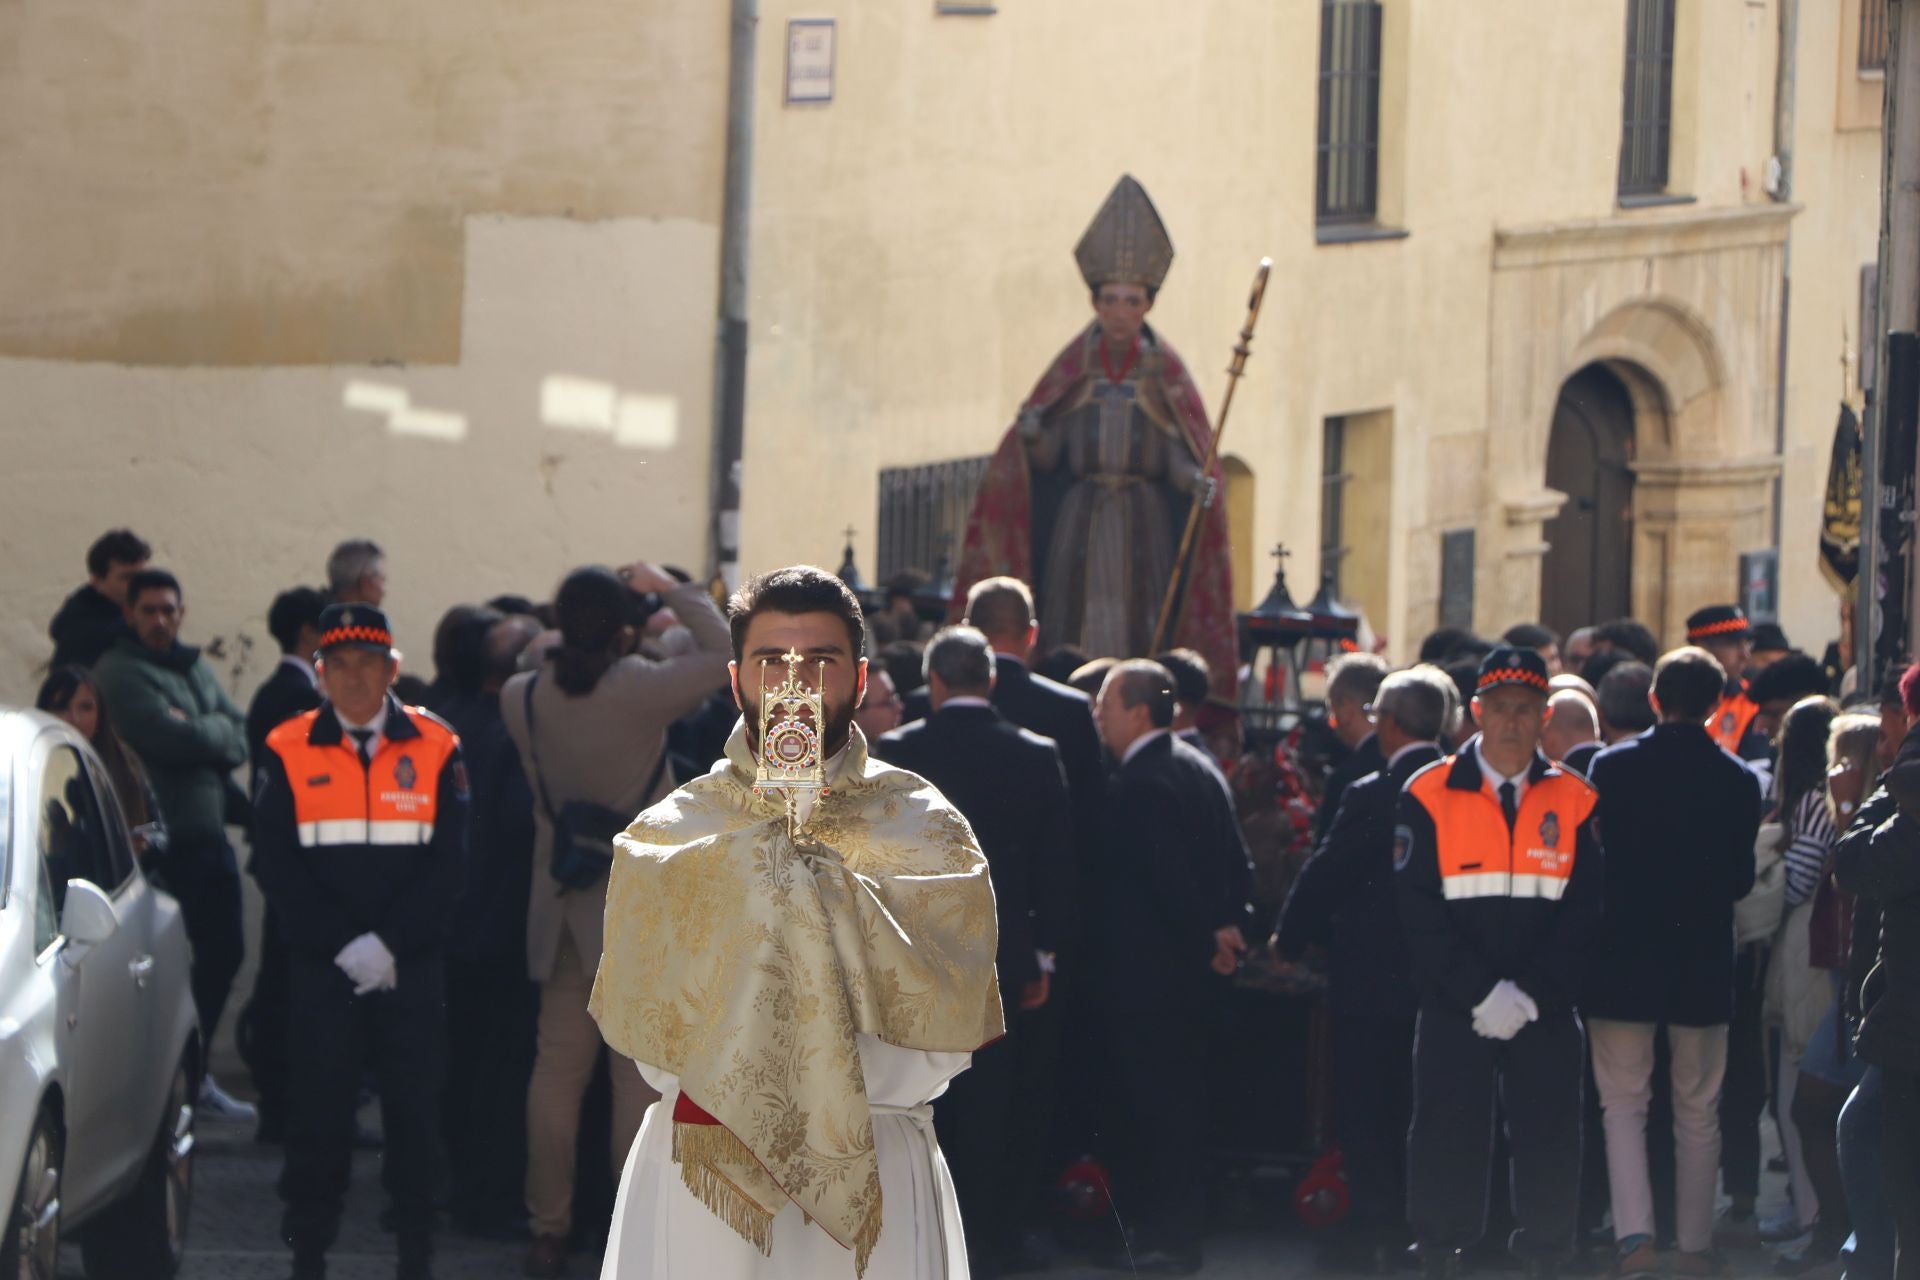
pixel 744 962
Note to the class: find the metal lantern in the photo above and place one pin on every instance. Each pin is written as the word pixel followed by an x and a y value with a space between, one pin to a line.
pixel 1281 643
pixel 1273 640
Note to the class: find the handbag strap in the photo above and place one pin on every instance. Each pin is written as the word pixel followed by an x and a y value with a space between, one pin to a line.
pixel 533 752
pixel 533 756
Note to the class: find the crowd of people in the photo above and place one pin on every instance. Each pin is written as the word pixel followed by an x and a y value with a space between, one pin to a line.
pixel 1585 911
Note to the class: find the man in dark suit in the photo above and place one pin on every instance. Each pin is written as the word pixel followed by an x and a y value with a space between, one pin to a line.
pixel 1192 679
pixel 1060 1038
pixel 1010 786
pixel 1352 680
pixel 1344 900
pixel 292 689
pixel 1163 955
pixel 1680 815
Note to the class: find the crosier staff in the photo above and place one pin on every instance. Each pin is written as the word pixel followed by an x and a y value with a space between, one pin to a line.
pixel 1235 371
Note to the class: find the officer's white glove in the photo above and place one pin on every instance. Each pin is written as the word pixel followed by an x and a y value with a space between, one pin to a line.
pixel 368 964
pixel 1504 1012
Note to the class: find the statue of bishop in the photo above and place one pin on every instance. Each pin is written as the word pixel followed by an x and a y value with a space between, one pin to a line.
pixel 1091 487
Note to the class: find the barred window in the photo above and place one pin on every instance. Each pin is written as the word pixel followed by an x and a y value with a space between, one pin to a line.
pixel 1333 490
pixel 1647 111
pixel 1347 169
pixel 1873 35
pixel 923 516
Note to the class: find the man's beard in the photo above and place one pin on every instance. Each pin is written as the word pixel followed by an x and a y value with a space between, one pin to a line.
pixel 839 724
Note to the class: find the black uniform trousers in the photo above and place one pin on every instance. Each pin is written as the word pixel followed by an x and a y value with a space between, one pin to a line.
pixel 1539 1077
pixel 1373 1087
pixel 262 1027
pixel 1036 1053
pixel 974 1120
pixel 1900 1159
pixel 333 1035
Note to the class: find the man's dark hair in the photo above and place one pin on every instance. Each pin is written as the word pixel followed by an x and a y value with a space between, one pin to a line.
pixel 514 606
pixel 1000 606
pixel 963 659
pixel 1143 682
pixel 152 580
pixel 460 647
pixel 1595 668
pixel 904 585
pixel 1192 677
pixel 293 611
pixel 800 589
pixel 1689 683
pixel 1060 662
pixel 1465 674
pixel 1449 644
pixel 1890 696
pixel 1622 697
pixel 1635 637
pixel 1789 679
pixel 1530 635
pixel 116 546
pixel 904 662
pixel 507 639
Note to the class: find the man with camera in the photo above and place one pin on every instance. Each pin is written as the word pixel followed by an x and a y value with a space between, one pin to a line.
pixel 591 726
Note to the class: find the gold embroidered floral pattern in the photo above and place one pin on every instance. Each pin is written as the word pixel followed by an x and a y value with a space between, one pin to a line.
pixel 746 962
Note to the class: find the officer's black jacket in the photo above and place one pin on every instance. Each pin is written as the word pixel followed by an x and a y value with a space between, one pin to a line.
pixel 1344 897
pixel 1460 949
pixel 325 897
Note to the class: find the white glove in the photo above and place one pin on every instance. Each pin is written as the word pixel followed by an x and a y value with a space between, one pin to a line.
pixel 1504 1012
pixel 368 964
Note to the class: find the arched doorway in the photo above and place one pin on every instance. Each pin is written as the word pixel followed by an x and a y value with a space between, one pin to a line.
pixel 1586 576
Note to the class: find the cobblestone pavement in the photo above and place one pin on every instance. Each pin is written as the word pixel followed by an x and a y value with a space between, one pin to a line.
pixel 237 1213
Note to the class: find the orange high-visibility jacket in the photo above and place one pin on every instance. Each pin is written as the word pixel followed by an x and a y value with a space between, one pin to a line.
pixel 341 849
pixel 1480 903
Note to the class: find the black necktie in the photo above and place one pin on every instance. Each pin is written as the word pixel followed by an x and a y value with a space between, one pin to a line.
pixel 364 737
pixel 1509 803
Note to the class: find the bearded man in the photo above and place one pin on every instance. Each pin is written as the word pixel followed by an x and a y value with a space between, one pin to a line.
pixel 1092 485
pixel 799 984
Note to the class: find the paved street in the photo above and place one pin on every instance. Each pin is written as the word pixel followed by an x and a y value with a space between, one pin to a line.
pixel 237 1213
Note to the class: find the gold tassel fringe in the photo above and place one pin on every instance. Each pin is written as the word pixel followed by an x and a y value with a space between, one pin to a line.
pixel 699 1149
pixel 864 1243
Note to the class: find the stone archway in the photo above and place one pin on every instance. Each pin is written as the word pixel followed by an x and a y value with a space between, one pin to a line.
pixel 1700 496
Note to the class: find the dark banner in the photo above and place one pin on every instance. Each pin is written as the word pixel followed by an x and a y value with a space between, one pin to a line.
pixel 1840 515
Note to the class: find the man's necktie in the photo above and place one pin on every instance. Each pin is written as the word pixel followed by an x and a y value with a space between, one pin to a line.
pixel 364 739
pixel 1510 803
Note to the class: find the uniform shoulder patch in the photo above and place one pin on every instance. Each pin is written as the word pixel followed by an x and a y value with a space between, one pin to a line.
pixel 1402 846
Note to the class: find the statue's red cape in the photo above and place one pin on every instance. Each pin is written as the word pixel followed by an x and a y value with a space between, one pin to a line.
pixel 1000 529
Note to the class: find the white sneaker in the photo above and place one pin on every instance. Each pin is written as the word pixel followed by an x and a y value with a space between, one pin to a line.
pixel 217 1104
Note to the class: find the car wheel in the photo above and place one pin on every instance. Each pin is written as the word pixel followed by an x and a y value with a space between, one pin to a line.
pixel 143 1235
pixel 31 1250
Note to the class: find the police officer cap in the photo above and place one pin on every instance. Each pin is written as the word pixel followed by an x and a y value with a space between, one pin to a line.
pixel 1507 665
pixel 358 626
pixel 1717 622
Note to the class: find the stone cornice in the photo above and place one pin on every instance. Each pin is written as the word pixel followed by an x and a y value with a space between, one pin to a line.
pixel 1642 235
pixel 1708 471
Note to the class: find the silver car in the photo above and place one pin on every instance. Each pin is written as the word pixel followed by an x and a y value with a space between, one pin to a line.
pixel 100 1053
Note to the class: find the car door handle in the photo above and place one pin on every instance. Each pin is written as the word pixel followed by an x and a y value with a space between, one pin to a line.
pixel 141 970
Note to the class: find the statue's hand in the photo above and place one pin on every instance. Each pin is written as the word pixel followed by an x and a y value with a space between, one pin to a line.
pixel 1205 490
pixel 1029 422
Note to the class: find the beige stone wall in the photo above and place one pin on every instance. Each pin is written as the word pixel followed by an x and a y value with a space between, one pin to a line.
pixel 1837 180
pixel 276 272
pixel 480 478
pixel 902 319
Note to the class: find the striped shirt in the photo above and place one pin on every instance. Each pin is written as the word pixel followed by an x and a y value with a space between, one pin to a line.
pixel 1810 840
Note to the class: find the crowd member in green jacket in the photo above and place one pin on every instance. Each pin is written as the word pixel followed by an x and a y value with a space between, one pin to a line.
pixel 190 737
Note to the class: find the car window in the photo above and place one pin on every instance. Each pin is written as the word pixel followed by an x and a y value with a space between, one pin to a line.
pixel 46 919
pixel 73 835
pixel 119 839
